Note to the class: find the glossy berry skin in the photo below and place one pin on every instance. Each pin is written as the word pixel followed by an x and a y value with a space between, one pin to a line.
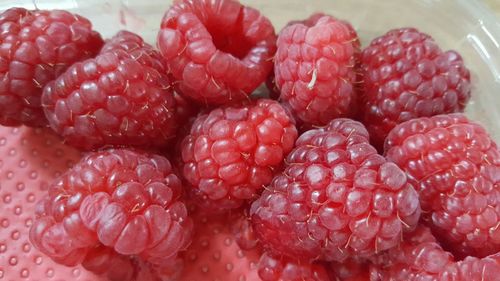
pixel 337 198
pixel 455 166
pixel 272 268
pixel 420 257
pixel 217 51
pixel 35 48
pixel 406 75
pixel 121 199
pixel 120 97
pixel 315 69
pixel 231 153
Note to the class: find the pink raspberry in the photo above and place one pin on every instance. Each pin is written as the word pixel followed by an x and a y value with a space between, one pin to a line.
pixel 337 198
pixel 406 75
pixel 285 269
pixel 121 97
pixel 231 153
pixel 217 51
pixel 315 69
pixel 124 202
pixel 35 48
pixel 455 167
pixel 419 257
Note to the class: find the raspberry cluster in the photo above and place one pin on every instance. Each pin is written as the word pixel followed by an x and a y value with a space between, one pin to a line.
pixel 336 198
pixel 121 97
pixel 217 51
pixel 455 166
pixel 35 48
pixel 231 153
pixel 409 192
pixel 315 69
pixel 114 207
pixel 406 75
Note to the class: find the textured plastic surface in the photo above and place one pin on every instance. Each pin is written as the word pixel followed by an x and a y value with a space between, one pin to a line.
pixel 30 159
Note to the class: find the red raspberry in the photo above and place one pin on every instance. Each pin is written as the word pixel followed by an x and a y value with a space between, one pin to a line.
pixel 406 76
pixel 121 97
pixel 315 68
pixel 337 198
pixel 421 258
pixel 217 51
pixel 118 199
pixel 455 166
pixel 284 269
pixel 35 48
pixel 231 153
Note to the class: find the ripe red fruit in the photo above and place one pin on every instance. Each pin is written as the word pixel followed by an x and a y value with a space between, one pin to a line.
pixel 35 48
pixel 337 198
pixel 217 51
pixel 419 257
pixel 406 75
pixel 231 153
pixel 455 166
pixel 315 69
pixel 284 269
pixel 120 201
pixel 121 97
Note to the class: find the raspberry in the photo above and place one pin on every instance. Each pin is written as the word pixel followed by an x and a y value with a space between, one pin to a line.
pixel 455 167
pixel 120 97
pixel 406 76
pixel 232 152
pixel 283 269
pixel 120 201
pixel 337 198
pixel 421 258
pixel 315 68
pixel 35 48
pixel 217 51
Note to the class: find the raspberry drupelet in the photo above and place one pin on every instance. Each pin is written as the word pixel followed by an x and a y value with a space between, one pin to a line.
pixel 124 202
pixel 35 48
pixel 406 75
pixel 217 51
pixel 420 257
pixel 122 97
pixel 232 152
pixel 455 167
pixel 315 69
pixel 337 198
